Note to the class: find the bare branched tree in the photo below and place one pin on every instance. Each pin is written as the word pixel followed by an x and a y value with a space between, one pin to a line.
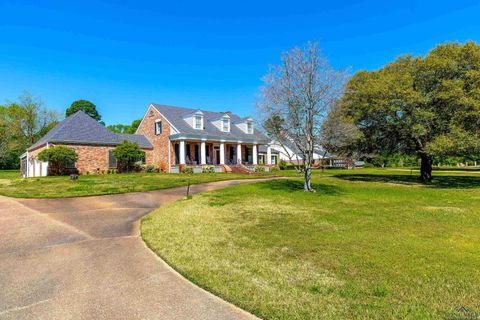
pixel 339 133
pixel 299 92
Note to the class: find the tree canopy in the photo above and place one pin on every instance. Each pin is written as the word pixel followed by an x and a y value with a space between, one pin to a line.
pixel 22 123
pixel 427 106
pixel 125 128
pixel 86 106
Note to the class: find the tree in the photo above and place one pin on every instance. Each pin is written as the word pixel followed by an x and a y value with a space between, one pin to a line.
pixel 119 128
pixel 58 158
pixel 22 123
pixel 134 126
pixel 425 106
pixel 127 153
pixel 297 95
pixel 122 128
pixel 86 106
pixel 338 134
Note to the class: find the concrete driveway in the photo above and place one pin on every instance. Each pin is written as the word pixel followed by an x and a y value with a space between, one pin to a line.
pixel 82 258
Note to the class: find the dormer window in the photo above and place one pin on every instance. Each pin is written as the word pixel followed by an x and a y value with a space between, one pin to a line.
pixel 250 127
pixel 198 121
pixel 226 124
pixel 158 127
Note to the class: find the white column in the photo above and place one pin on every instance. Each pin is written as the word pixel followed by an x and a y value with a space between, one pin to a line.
pixel 203 153
pixel 222 153
pixel 239 153
pixel 254 154
pixel 182 151
pixel 269 155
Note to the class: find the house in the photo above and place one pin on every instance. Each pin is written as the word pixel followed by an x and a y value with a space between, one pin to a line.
pixel 184 136
pixel 92 142
pixel 289 153
pixel 172 137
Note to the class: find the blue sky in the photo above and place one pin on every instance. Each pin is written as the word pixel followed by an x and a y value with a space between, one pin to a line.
pixel 201 54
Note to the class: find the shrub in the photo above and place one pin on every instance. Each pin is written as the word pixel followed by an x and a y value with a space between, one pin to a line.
pixel 187 170
pixel 138 166
pixel 162 166
pixel 259 169
pixel 151 168
pixel 282 164
pixel 58 158
pixel 273 169
pixel 208 169
pixel 128 154
pixel 368 165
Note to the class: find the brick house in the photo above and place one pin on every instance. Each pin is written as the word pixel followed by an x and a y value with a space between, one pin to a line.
pixel 172 137
pixel 92 141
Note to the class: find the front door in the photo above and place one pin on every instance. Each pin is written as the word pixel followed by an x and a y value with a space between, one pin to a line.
pixel 216 155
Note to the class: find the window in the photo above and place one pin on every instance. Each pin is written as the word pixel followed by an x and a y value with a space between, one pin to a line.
pixel 225 125
pixel 71 165
pixel 198 121
pixel 112 161
pixel 158 127
pixel 273 159
pixel 250 127
pixel 261 159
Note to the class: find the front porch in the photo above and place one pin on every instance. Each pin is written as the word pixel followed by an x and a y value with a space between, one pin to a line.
pixel 195 152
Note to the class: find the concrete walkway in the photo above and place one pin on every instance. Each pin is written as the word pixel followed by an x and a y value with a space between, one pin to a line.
pixel 82 258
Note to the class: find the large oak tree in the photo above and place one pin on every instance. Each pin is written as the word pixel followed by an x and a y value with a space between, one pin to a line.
pixel 425 106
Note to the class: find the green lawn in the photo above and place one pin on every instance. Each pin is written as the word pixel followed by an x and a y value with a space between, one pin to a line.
pixel 12 185
pixel 370 244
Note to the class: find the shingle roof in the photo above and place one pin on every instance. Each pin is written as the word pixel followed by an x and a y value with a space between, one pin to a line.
pixel 79 128
pixel 176 117
pixel 140 139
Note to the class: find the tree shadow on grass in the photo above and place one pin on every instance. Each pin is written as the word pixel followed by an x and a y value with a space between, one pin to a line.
pixel 445 182
pixel 288 185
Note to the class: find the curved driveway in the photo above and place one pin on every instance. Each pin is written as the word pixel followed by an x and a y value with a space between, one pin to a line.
pixel 83 258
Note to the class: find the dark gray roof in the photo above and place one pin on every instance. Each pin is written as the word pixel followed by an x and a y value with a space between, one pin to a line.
pixel 140 139
pixel 176 117
pixel 79 128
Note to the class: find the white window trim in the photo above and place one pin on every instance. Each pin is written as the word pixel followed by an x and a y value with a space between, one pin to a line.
pixel 199 115
pixel 228 122
pixel 250 124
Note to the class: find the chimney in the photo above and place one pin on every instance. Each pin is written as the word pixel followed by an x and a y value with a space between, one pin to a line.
pixel 228 112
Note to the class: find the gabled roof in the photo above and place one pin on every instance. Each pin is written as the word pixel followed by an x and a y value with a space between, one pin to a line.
pixel 79 128
pixel 176 116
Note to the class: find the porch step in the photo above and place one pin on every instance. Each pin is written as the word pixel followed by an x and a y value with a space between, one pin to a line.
pixel 240 168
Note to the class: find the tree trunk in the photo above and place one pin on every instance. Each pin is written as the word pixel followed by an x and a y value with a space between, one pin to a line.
pixel 426 167
pixel 308 174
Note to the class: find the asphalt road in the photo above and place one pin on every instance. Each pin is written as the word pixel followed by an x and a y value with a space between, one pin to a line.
pixel 83 258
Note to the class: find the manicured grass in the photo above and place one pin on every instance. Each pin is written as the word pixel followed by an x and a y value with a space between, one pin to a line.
pixel 370 244
pixel 12 185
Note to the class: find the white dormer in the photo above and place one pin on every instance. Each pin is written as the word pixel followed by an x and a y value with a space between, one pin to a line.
pixel 195 120
pixel 223 124
pixel 246 125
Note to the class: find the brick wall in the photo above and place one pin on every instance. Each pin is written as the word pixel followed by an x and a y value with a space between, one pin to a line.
pixel 91 158
pixel 160 142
